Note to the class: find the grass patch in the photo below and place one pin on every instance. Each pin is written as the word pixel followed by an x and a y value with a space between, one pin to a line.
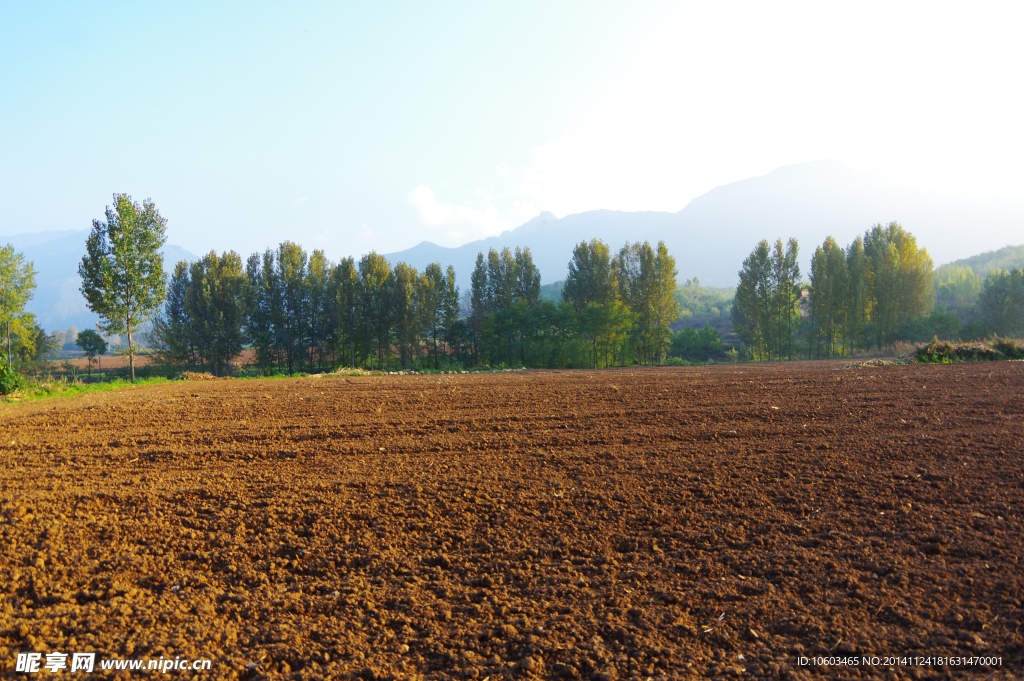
pixel 49 390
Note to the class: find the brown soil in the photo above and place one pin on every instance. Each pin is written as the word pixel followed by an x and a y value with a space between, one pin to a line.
pixel 586 524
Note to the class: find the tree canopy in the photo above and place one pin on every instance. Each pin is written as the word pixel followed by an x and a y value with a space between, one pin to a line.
pixel 17 282
pixel 123 280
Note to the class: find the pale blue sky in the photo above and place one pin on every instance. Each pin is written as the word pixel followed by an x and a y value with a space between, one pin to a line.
pixel 351 126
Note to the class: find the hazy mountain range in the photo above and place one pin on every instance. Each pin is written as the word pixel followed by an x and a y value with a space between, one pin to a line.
pixel 713 234
pixel 709 238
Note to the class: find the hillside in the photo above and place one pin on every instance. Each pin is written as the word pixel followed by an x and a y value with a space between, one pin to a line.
pixel 1005 258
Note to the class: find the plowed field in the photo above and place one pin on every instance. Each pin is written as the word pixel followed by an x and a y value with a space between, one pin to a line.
pixel 700 521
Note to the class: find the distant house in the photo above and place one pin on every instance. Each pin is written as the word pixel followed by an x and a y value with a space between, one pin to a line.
pixel 804 303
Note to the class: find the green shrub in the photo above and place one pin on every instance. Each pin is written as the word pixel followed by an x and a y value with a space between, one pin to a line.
pixel 676 362
pixel 10 380
pixel 944 352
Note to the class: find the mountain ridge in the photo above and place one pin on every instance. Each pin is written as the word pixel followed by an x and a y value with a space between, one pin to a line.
pixel 714 232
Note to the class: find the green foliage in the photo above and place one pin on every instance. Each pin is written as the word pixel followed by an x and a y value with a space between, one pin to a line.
pixel 900 279
pixel 92 345
pixel 957 287
pixel 944 352
pixel 10 380
pixel 1001 303
pixel 697 344
pixel 699 303
pixel 42 345
pixel 48 389
pixel 765 311
pixel 122 272
pixel 939 323
pixel 304 313
pixel 829 301
pixel 880 287
pixel 17 282
pixel 202 321
pixel 1006 258
pixel 646 284
pixel 552 293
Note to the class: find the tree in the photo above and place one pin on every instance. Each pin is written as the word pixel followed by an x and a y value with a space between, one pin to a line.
pixel 318 293
pixel 345 308
pixel 215 303
pixel 263 307
pixel 376 285
pixel 591 278
pixel 829 283
pixel 765 311
pixel 172 334
pixel 1002 302
pixel 433 289
pixel 785 277
pixel 900 277
pixel 17 281
pixel 450 308
pixel 857 303
pixel 957 287
pixel 646 283
pixel 123 280
pixel 751 309
pixel 92 345
pixel 404 313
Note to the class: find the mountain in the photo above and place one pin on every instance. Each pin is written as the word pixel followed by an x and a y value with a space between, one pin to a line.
pixel 1004 259
pixel 713 234
pixel 57 302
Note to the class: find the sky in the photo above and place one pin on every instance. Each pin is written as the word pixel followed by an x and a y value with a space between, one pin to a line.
pixel 358 126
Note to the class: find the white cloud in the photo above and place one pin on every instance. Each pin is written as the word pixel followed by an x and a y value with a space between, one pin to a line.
pixel 455 224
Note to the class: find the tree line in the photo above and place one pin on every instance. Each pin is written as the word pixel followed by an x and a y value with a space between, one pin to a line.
pixel 302 312
pixel 880 288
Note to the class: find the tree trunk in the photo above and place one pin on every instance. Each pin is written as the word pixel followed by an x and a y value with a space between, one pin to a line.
pixel 131 354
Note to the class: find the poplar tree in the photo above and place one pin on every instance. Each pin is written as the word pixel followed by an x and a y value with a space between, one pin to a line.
pixel 857 303
pixel 17 282
pixel 122 272
pixel 828 295
pixel 319 300
pixel 900 283
pixel 751 308
pixel 450 307
pixel 785 292
pixel 263 307
pixel 433 289
pixel 346 312
pixel 375 276
pixel 293 329
pixel 405 315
